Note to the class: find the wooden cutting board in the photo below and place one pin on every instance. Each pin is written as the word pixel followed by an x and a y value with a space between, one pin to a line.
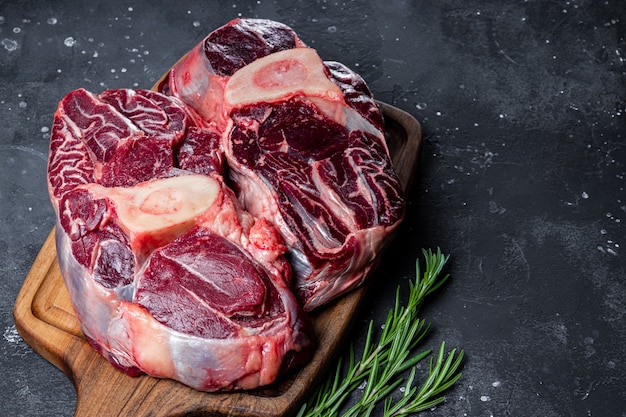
pixel 45 319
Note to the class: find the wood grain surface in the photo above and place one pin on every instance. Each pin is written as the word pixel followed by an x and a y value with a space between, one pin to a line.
pixel 45 319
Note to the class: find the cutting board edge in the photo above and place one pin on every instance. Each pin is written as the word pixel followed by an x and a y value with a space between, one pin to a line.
pixel 28 325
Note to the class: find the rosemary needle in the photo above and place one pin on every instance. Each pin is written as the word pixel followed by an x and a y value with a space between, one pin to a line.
pixel 382 365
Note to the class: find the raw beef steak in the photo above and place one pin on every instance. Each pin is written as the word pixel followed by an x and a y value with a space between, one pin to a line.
pixel 168 275
pixel 305 146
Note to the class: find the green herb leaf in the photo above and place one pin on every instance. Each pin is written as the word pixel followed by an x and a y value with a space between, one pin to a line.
pixel 381 367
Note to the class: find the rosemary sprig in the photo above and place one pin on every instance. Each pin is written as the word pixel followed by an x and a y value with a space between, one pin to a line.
pixel 382 365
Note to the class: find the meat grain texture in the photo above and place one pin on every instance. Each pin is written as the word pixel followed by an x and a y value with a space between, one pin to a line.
pixel 199 223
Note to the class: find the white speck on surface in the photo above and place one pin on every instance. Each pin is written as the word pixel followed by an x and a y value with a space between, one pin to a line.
pixel 9 44
pixel 495 209
pixel 69 41
pixel 332 29
pixel 485 398
pixel 11 335
pixel 496 384
pixel 589 350
pixel 17 30
pixel 196 24
pixel 584 195
pixel 421 106
pixel 52 21
pixel 22 105
pixel 15 345
pixel 45 129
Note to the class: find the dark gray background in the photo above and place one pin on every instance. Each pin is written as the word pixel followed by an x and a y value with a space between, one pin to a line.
pixel 521 180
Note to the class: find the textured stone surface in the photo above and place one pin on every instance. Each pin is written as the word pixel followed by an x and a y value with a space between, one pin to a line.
pixel 521 179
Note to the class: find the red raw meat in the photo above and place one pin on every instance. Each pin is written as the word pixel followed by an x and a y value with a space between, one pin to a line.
pixel 168 275
pixel 177 272
pixel 305 146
